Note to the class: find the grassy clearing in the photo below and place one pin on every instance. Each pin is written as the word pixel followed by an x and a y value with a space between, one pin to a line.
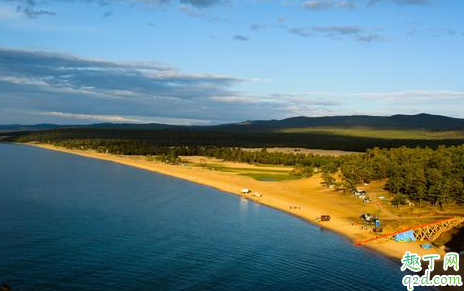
pixel 258 173
pixel 380 133
pixel 267 177
pixel 217 167
pixel 270 166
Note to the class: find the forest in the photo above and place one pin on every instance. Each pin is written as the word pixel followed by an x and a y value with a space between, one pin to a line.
pixel 418 174
pixel 426 174
pixel 183 137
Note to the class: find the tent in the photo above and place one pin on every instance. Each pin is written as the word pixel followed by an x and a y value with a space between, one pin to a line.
pixel 407 236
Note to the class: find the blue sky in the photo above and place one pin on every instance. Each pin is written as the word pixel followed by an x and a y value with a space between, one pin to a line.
pixel 213 61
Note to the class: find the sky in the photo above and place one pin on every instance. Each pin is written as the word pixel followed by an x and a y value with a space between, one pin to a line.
pixel 220 61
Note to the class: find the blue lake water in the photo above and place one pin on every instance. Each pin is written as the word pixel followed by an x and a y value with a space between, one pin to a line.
pixel 74 223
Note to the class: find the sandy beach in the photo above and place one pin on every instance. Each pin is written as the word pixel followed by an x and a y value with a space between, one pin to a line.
pixel 304 198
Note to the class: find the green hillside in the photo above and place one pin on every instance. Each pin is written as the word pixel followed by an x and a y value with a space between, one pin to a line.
pixel 416 134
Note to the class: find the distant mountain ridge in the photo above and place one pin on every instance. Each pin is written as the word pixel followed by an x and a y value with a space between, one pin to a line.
pixel 40 126
pixel 417 122
pixel 47 126
pixel 420 121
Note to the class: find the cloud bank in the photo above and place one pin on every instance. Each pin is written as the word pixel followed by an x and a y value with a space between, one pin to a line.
pixel 50 82
pixel 61 88
pixel 327 4
pixel 32 8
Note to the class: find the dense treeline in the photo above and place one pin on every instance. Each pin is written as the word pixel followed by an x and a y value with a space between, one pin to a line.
pixel 230 139
pixel 171 153
pixel 435 176
pixel 419 174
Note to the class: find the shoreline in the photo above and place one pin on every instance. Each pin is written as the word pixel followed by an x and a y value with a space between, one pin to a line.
pixel 278 195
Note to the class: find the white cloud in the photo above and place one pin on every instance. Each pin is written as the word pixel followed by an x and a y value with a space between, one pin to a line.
pixel 234 99
pixel 23 81
pixel 105 118
pixel 89 118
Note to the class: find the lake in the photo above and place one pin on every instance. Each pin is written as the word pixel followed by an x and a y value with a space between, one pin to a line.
pixel 75 223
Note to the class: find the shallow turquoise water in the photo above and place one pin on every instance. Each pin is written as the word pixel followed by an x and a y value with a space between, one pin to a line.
pixel 73 223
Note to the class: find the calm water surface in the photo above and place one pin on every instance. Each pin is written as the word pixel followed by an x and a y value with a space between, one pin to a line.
pixel 73 223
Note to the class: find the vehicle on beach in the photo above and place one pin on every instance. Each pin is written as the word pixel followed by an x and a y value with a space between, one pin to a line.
pixel 323 218
pixel 361 194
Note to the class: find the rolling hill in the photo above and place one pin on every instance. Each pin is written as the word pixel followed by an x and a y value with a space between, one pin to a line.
pixel 424 122
pixel 351 133
pixel 411 122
